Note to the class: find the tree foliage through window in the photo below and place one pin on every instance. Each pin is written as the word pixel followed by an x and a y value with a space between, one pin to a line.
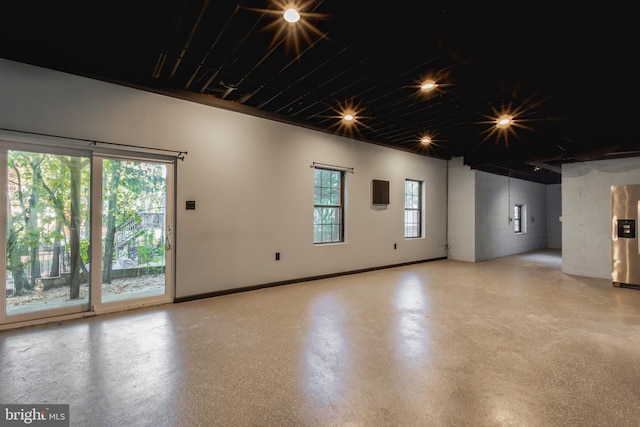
pixel 328 215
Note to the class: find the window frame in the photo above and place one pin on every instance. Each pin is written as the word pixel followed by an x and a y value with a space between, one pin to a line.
pixel 419 209
pixel 340 206
pixel 518 216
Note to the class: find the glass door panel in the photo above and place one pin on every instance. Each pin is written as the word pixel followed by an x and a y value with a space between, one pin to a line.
pixel 134 210
pixel 47 238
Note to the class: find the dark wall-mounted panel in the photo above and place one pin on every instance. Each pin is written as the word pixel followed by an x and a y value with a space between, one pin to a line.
pixel 380 192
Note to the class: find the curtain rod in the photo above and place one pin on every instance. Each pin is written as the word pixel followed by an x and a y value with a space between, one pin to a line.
pixel 343 168
pixel 178 154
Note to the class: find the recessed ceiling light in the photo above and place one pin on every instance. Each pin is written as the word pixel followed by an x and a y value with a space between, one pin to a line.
pixel 428 142
pixel 348 116
pixel 292 23
pixel 428 85
pixel 291 15
pixel 504 121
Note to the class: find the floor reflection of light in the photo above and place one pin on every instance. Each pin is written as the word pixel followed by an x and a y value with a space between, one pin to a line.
pixel 326 349
pixel 551 258
pixel 33 374
pixel 412 332
pixel 103 369
pixel 503 415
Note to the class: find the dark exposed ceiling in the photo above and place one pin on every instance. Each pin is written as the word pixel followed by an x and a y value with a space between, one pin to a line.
pixel 564 73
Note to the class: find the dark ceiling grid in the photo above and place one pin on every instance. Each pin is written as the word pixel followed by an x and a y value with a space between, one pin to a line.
pixel 246 76
pixel 308 93
pixel 279 71
pixel 327 101
pixel 306 90
pixel 241 72
pixel 413 116
pixel 199 39
pixel 371 86
pixel 225 53
pixel 186 46
pixel 205 57
pixel 267 71
pixel 389 131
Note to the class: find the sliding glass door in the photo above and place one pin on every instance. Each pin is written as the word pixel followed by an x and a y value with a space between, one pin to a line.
pixel 135 233
pixel 47 232
pixel 66 210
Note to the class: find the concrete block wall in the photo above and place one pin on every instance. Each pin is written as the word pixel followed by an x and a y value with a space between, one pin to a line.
pixel 496 196
pixel 554 212
pixel 586 213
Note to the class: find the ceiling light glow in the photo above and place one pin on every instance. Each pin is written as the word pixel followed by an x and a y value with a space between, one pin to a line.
pixel 427 85
pixel 291 15
pixel 504 121
pixel 427 142
pixel 285 14
pixel 348 116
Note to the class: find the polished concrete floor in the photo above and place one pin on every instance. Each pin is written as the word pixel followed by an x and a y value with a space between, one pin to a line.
pixel 506 342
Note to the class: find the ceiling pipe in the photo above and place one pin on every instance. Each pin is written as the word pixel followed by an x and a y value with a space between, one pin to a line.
pixel 264 57
pixel 248 96
pixel 159 64
pixel 195 26
pixel 213 45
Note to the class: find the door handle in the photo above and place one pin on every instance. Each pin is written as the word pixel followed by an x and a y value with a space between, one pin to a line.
pixel 167 241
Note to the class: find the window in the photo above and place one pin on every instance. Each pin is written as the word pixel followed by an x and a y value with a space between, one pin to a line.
pixel 328 215
pixel 517 218
pixel 412 208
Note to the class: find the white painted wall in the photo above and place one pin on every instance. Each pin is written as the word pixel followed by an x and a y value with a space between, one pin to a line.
pixel 586 213
pixel 495 197
pixel 554 212
pixel 250 177
pixel 462 209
